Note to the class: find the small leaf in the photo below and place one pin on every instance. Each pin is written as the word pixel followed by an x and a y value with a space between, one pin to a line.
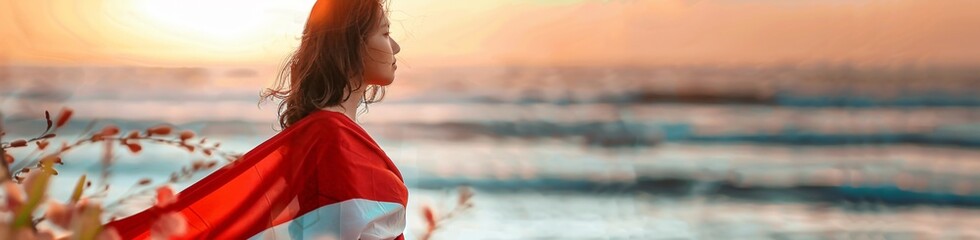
pixel 64 117
pixel 133 134
pixel 430 216
pixel 97 137
pixel 165 196
pixel 18 143
pixel 47 116
pixel 14 195
pixel 159 130
pixel 59 214
pixel 41 144
pixel 36 185
pixel 109 130
pixel 79 187
pixel 186 134
pixel 87 225
pixel 49 135
pixel 197 165
pixel 465 194
pixel 144 181
pixel 135 148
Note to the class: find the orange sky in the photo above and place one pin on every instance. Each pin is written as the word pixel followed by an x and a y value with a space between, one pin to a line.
pixel 488 32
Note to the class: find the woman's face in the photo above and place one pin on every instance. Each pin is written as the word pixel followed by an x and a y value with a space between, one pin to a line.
pixel 379 60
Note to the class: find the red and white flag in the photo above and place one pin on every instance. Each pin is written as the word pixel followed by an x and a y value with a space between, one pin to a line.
pixel 323 177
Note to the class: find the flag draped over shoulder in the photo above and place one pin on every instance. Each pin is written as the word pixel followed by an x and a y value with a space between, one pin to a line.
pixel 323 177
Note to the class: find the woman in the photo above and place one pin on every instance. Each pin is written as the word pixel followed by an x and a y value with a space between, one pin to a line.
pixel 321 177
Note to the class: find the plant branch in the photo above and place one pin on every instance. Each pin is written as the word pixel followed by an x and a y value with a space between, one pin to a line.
pixel 5 172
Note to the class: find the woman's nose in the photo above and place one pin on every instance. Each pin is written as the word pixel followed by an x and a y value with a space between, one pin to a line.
pixel 395 48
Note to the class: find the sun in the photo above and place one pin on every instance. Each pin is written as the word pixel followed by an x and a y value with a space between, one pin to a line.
pixel 217 19
pixel 221 30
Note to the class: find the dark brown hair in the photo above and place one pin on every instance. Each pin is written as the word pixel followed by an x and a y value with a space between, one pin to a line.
pixel 330 53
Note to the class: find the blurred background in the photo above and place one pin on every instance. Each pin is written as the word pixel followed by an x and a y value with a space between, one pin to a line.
pixel 574 119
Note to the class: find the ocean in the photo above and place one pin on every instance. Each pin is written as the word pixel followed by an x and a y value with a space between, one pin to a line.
pixel 789 159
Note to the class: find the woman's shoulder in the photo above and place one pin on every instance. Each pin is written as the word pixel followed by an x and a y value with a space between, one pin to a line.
pixel 330 127
pixel 320 117
pixel 322 122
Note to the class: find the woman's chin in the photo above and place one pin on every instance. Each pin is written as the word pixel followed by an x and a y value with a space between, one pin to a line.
pixel 382 82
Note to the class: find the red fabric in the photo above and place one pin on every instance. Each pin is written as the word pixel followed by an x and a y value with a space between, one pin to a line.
pixel 322 159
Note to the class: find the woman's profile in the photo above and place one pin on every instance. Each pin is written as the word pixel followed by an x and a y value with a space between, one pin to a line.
pixel 322 176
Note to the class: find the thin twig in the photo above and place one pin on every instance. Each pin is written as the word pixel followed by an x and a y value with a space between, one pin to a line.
pixel 5 172
pixel 174 142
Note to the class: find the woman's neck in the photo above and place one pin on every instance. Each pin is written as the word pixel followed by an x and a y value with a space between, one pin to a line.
pixel 350 106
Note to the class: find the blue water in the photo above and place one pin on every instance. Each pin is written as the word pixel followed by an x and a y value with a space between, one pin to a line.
pixel 792 167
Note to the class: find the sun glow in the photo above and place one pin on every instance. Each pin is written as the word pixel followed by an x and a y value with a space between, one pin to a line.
pixel 482 32
pixel 219 30
pixel 216 19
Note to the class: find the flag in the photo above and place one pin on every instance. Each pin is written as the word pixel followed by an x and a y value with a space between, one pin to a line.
pixel 323 177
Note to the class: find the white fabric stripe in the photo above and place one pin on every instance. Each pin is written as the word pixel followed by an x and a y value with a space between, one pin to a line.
pixel 351 219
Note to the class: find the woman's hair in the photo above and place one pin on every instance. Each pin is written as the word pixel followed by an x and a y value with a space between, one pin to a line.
pixel 330 53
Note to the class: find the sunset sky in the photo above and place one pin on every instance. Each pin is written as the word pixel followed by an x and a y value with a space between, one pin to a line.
pixel 493 32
